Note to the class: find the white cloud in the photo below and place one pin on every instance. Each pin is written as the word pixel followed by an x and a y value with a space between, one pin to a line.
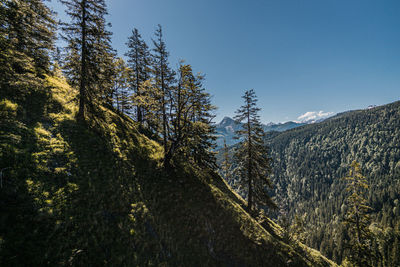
pixel 313 116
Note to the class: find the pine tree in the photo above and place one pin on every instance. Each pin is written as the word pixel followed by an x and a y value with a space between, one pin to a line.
pixel 251 156
pixel 148 102
pixel 139 62
pixel 357 219
pixel 105 58
pixel 202 128
pixel 181 110
pixel 164 78
pixel 192 132
pixel 120 92
pixel 90 53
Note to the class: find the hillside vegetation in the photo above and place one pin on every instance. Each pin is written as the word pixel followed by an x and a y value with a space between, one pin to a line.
pixel 94 194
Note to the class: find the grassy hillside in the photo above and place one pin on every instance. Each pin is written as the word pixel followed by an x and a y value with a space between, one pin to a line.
pixel 95 195
pixel 310 161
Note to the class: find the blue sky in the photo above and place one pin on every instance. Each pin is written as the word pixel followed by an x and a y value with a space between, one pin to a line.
pixel 299 56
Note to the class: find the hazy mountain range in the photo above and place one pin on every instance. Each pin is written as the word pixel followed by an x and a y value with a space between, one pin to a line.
pixel 227 127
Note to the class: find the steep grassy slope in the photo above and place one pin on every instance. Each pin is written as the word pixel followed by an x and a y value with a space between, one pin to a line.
pixel 95 195
pixel 310 161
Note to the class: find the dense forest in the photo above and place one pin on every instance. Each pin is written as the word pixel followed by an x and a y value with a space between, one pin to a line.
pixel 106 162
pixel 309 164
pixel 310 161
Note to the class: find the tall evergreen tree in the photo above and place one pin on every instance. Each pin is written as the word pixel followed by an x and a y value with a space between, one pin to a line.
pixel 120 93
pixel 251 156
pixel 164 78
pixel 192 132
pixel 104 60
pixel 356 218
pixel 202 127
pixel 181 109
pixel 148 102
pixel 90 53
pixel 139 62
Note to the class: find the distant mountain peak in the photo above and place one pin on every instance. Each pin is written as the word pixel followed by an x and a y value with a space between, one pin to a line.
pixel 226 121
pixel 225 130
pixel 314 116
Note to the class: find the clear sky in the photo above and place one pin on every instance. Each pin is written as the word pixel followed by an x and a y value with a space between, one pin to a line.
pixel 299 55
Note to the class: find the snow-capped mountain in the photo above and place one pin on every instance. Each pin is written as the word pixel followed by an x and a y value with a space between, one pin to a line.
pixel 227 127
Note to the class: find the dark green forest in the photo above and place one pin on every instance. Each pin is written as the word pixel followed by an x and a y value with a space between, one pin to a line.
pixel 308 166
pixel 109 163
pixel 309 163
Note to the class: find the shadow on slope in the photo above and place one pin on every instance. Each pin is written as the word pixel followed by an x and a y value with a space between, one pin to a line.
pixel 98 196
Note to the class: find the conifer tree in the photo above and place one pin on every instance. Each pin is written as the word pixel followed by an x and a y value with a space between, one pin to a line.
pixel 120 91
pixel 164 78
pixel 356 218
pixel 139 62
pixel 90 53
pixel 191 116
pixel 202 127
pixel 148 102
pixel 105 59
pixel 251 156
pixel 181 110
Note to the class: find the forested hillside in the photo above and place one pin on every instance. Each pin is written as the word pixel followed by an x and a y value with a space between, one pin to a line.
pixel 308 166
pixel 108 165
pixel 97 196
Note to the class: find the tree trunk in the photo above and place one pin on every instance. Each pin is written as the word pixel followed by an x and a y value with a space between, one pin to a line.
pixel 139 109
pixel 82 88
pixel 249 169
pixel 164 118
